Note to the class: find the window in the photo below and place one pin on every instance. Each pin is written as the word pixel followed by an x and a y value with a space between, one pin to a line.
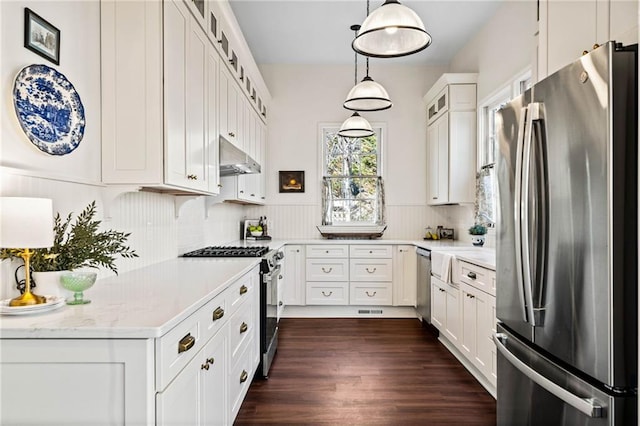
pixel 352 170
pixel 487 151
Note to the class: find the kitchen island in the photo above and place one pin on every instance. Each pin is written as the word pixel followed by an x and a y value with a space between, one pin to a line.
pixel 156 345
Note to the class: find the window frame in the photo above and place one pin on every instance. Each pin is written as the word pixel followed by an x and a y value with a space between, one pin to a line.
pixel 381 131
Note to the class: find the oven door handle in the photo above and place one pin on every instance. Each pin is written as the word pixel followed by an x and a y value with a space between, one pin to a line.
pixel 274 272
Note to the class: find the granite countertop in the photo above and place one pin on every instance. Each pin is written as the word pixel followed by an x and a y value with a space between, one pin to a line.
pixel 143 303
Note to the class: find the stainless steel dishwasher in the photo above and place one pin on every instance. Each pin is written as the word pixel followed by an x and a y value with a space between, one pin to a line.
pixel 423 305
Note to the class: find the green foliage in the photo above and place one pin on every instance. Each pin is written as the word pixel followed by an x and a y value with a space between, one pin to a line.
pixel 478 229
pixel 79 244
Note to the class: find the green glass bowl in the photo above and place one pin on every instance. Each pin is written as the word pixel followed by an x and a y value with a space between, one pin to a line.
pixel 78 282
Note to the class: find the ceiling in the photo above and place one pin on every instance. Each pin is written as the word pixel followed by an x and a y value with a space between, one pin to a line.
pixel 317 31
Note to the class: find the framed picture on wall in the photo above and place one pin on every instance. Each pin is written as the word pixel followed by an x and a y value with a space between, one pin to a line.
pixel 292 181
pixel 41 37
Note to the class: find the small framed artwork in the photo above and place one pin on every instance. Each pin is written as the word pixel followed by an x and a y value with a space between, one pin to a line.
pixel 292 181
pixel 41 37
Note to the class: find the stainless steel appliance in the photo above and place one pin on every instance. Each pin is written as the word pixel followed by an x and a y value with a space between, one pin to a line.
pixel 423 305
pixel 270 269
pixel 567 246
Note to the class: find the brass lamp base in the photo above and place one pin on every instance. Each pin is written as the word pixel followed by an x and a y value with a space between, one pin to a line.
pixel 27 298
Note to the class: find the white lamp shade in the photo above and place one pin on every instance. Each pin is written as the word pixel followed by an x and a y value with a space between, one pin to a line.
pixel 390 31
pixel 26 222
pixel 355 127
pixel 367 96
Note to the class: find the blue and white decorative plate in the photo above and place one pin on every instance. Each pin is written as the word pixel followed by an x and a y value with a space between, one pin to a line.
pixel 49 109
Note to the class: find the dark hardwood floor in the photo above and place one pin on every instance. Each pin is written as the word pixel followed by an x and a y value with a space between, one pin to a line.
pixel 364 372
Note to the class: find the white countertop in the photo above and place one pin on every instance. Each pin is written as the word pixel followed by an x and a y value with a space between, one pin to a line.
pixel 143 303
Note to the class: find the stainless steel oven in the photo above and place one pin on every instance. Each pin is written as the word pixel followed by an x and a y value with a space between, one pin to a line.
pixel 270 270
pixel 270 273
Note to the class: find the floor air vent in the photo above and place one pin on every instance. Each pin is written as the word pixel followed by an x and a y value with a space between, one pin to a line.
pixel 369 311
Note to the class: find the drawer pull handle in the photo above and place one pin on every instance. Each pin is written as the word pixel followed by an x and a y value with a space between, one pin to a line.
pixel 210 360
pixel 371 295
pixel 371 272
pixel 327 295
pixel 243 289
pixel 280 303
pixel 218 313
pixel 325 271
pixel 472 275
pixel 204 366
pixel 441 289
pixel 244 376
pixel 243 327
pixel 470 296
pixel 186 343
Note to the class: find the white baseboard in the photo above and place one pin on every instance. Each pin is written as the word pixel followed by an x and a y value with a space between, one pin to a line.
pixel 292 311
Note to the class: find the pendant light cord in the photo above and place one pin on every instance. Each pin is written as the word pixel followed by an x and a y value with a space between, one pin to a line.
pixel 356 34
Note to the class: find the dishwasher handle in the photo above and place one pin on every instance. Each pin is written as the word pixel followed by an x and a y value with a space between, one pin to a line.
pixel 423 252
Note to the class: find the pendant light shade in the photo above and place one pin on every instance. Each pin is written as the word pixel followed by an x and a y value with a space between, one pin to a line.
pixel 355 127
pixel 367 96
pixel 391 31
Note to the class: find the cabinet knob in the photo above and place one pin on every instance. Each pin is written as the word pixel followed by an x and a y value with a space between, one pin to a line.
pixel 243 327
pixel 280 277
pixel 253 195
pixel 242 192
pixel 370 251
pixel 280 303
pixel 472 275
pixel 243 289
pixel 244 376
pixel 219 185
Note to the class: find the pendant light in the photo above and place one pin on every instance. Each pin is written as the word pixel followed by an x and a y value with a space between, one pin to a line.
pixel 355 126
pixel 367 95
pixel 391 31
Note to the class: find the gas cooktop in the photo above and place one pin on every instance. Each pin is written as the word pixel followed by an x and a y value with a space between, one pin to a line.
pixel 228 251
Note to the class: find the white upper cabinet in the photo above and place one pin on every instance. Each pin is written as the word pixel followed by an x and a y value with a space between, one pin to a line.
pixel 451 139
pixel 568 28
pixel 173 81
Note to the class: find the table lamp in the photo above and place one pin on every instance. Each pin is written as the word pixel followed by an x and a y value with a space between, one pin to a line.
pixel 25 224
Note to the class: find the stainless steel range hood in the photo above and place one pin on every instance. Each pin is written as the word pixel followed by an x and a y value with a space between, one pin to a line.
pixel 234 161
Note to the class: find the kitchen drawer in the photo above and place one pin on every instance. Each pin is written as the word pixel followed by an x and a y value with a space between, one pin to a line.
pixel 175 349
pixel 241 326
pixel 369 251
pixel 371 269
pixel 213 315
pixel 476 276
pixel 240 377
pixel 240 291
pixel 327 250
pixel 327 293
pixel 327 270
pixel 371 293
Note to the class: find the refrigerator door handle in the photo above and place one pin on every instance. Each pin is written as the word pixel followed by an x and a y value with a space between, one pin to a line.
pixel 524 212
pixel 517 209
pixel 586 406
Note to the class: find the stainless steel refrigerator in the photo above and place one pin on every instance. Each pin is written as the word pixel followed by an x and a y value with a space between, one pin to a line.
pixel 567 243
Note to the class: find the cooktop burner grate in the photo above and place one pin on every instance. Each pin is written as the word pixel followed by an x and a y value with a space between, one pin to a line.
pixel 228 251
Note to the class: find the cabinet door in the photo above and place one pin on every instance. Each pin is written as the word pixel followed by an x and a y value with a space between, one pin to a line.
pixel 484 334
pixel 405 275
pixel 453 321
pixel 261 147
pixel 438 161
pixel 438 304
pixel 213 130
pixel 469 323
pixel 293 275
pixel 181 401
pixel 214 380
pixel 228 105
pixel 565 43
pixel 185 66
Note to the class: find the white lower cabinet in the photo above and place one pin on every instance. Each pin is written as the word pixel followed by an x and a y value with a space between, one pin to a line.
pixel 438 304
pixel 198 395
pixel 197 373
pixel 293 273
pixel 446 309
pixel 405 275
